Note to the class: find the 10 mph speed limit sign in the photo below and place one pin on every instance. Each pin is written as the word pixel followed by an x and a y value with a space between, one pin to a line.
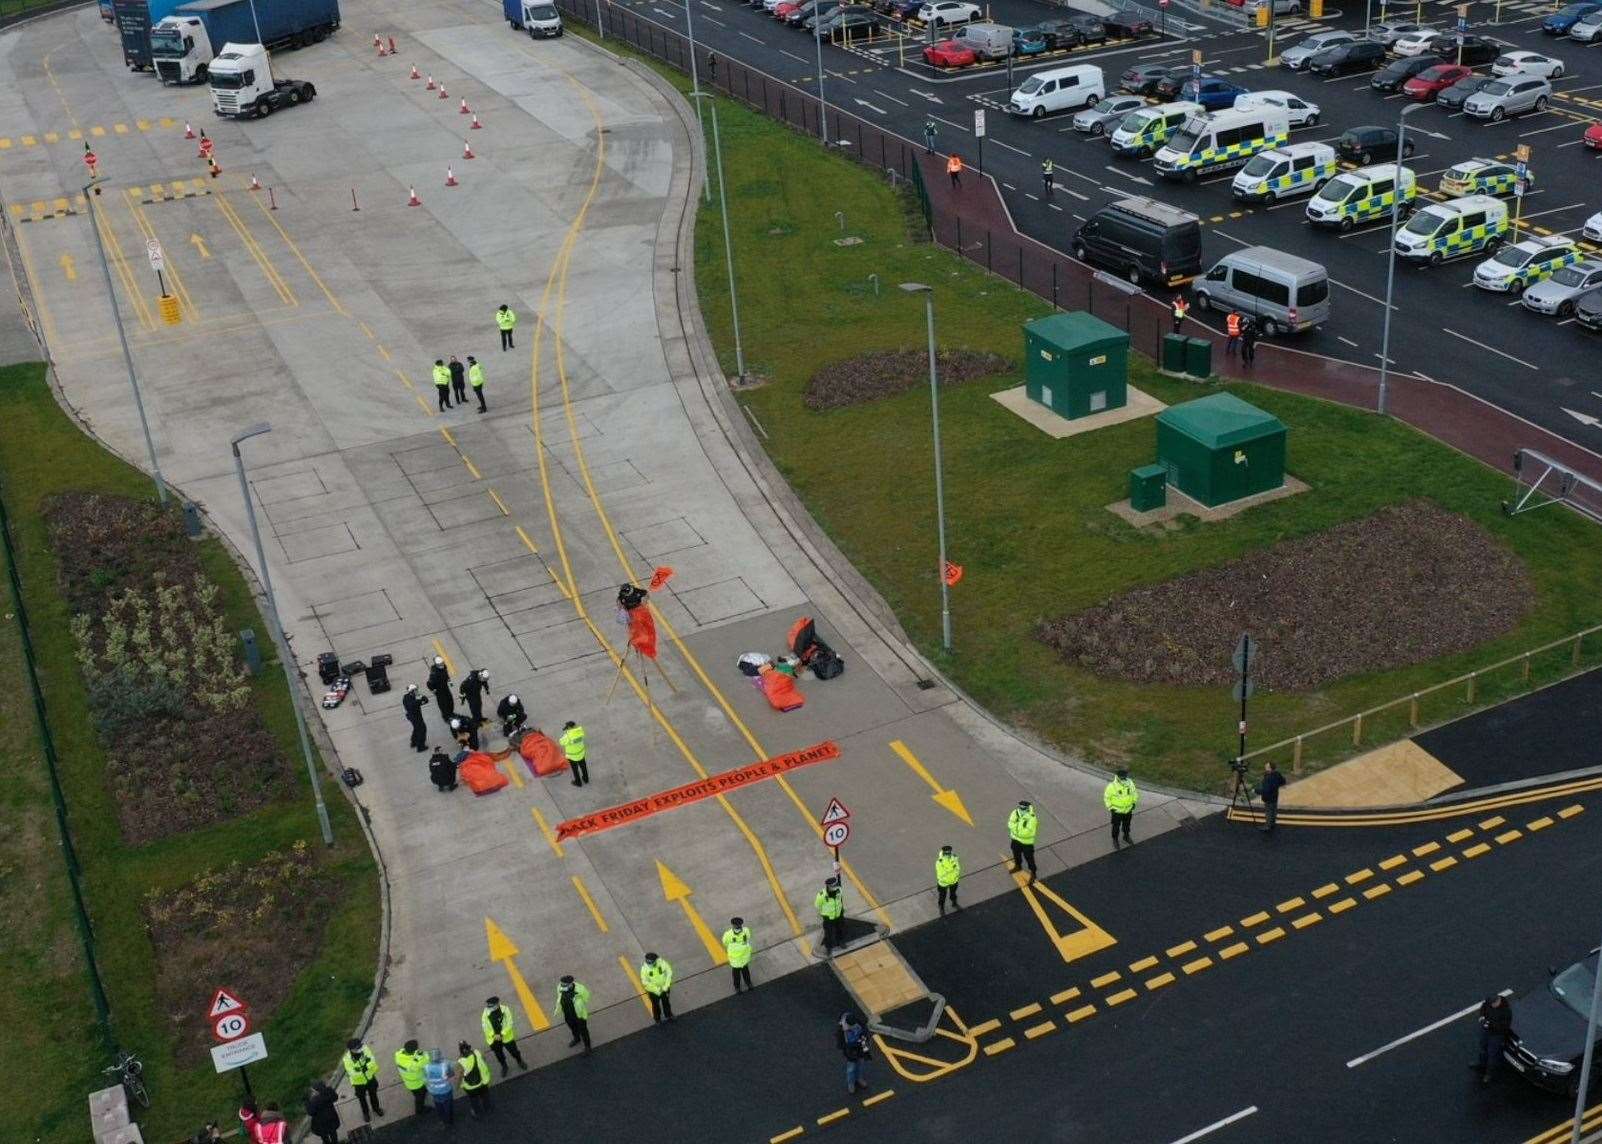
pixel 231 1026
pixel 836 833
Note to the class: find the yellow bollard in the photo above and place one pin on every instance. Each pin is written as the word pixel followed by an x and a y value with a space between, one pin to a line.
pixel 1315 10
pixel 169 310
pixel 1262 16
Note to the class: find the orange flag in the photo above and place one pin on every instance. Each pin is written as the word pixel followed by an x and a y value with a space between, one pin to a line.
pixel 660 577
pixel 953 574
pixel 642 631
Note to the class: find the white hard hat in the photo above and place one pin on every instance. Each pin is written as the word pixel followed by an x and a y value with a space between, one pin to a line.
pixel 513 699
pixel 411 687
pixel 439 661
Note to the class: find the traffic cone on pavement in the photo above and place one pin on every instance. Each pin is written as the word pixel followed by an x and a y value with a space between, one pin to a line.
pixel 467 150
pixel 201 154
pixel 216 168
pixel 189 132
pixel 476 125
pixel 413 200
pixel 255 183
pixel 450 178
pixel 392 45
pixel 442 92
pixel 415 73
pixel 465 110
pixel 429 86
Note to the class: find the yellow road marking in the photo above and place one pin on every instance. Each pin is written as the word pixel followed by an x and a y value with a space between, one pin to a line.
pixel 1197 966
pixel 142 222
pixel 784 1136
pixel 1306 920
pixel 1399 818
pixel 366 329
pixel 1120 997
pixel 1378 891
pixel 1538 824
pixel 333 301
pixel 1358 878
pixel 446 433
pixel 502 949
pixel 1081 1013
pixel 1182 948
pixel 995 1048
pixel 1255 920
pixel 382 352
pixel 546 831
pixel 108 234
pixel 1492 823
pixel 869 1102
pixel 1040 1030
pixel 1410 877
pixel 1271 935
pixel 947 798
pixel 984 1027
pixel 254 248
pixel 837 1114
pixel 439 650
pixel 1218 934
pixel 1105 979
pixel 1326 890
pixel 513 771
pixel 674 890
pixel 97 132
pixel 634 980
pixel 120 128
pixel 1443 864
pixel 1341 906
pixel 1293 904
pixel 1394 861
pixel 589 903
pixel 1065 996
pixel 1027 1011
pixel 1230 951
pixel 1426 849
pixel 1459 835
pixel 1571 811
pixel 423 405
pixel 499 503
pixel 1143 964
pixel 1159 981
pixel 472 468
pixel 1476 850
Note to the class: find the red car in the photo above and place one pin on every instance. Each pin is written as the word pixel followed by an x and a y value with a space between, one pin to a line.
pixel 782 12
pixel 1593 137
pixel 1430 82
pixel 949 54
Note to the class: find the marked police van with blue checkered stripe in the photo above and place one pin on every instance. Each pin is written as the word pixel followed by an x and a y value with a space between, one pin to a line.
pixel 1451 229
pixel 1220 141
pixel 1298 169
pixel 1362 195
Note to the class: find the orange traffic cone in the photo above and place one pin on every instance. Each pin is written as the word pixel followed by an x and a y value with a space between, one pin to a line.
pixel 429 86
pixel 466 110
pixel 189 132
pixel 255 183
pixel 415 73
pixel 476 124
pixel 378 44
pixel 392 45
pixel 450 178
pixel 467 151
pixel 442 93
pixel 202 152
pixel 413 201
pixel 216 169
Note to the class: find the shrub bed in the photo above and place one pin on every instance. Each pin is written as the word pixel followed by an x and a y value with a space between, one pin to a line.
pixel 870 377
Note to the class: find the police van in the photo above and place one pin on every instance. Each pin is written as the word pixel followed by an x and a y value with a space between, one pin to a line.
pixel 1147 129
pixel 1297 169
pixel 1220 141
pixel 1363 195
pixel 1446 230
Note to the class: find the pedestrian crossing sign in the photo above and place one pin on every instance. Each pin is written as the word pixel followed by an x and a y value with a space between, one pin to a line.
pixel 223 1002
pixel 836 812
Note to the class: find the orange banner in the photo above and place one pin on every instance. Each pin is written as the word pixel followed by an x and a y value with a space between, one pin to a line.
pixel 706 788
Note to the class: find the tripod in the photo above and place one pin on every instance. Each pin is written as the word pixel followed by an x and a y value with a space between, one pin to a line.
pixel 1243 789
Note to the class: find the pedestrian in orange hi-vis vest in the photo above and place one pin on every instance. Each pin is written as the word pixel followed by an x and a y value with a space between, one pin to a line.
pixel 954 169
pixel 1232 329
pixel 1181 308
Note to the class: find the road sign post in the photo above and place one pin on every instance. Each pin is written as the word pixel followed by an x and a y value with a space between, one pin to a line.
pixel 228 1012
pixel 979 134
pixel 836 823
pixel 1245 655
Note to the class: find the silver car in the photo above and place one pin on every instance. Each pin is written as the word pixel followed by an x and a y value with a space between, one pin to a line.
pixel 1558 293
pixel 1296 58
pixel 1392 30
pixel 1587 27
pixel 1104 116
pixel 1511 96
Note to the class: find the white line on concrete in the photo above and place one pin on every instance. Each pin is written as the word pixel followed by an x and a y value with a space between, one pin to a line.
pixel 1348 341
pixel 1120 171
pixel 1216 1125
pixel 1444 1021
pixel 1543 130
pixel 714 20
pixel 932 98
pixel 1075 194
pixel 1551 210
pixel 1010 147
pixel 1587 87
pixel 753 39
pixel 1492 349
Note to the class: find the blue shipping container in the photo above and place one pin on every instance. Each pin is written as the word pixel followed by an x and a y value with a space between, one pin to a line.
pixel 284 23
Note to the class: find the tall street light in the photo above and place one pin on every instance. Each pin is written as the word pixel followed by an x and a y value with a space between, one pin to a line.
pixel 695 76
pixel 278 631
pixel 1390 254
pixel 817 41
pixel 728 247
pixel 1583 1090
pixel 940 488
pixel 91 191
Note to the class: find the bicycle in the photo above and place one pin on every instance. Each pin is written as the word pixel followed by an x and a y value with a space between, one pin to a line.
pixel 131 1073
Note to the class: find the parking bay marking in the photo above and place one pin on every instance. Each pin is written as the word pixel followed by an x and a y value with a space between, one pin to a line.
pixel 1492 349
pixel 1417 1033
pixel 1217 1124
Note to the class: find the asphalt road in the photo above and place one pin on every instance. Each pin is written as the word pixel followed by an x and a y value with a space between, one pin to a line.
pixel 1444 329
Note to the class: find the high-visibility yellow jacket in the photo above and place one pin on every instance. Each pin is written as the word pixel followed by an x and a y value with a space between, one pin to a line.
pixel 1023 825
pixel 657 978
pixel 948 868
pixel 581 1000
pixel 361 1068
pixel 410 1066
pixel 829 905
pixel 572 742
pixel 737 943
pixel 507 1034
pixel 475 375
pixel 1121 795
pixel 442 375
pixel 475 1071
pixel 505 319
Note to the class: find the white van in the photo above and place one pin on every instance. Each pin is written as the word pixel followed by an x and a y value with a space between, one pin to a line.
pixel 1363 194
pixel 1058 89
pixel 1297 169
pixel 1280 292
pixel 1220 141
pixel 988 41
pixel 1296 109
pixel 1143 131
pixel 1459 226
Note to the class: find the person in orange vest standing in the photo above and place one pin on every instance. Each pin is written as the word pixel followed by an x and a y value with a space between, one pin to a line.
pixel 1232 329
pixel 1181 308
pixel 954 169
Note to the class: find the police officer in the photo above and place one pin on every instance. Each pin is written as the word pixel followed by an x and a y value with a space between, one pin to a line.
pixel 511 713
pixel 500 1033
pixel 657 977
pixel 1022 826
pixel 361 1067
pixel 410 1062
pixel 1048 171
pixel 737 944
pixel 572 742
pixel 442 383
pixel 1121 797
pixel 929 133
pixel 1249 334
pixel 1232 332
pixel 475 378
pixel 573 1002
pixel 413 703
pixel 439 682
pixel 475 1072
pixel 948 871
pixel 506 320
pixel 466 734
pixel 472 691
pixel 441 771
pixel 831 908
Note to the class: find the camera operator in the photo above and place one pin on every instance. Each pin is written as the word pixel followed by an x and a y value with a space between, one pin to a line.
pixel 1268 790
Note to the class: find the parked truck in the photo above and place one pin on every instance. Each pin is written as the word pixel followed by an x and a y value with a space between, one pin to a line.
pixel 242 84
pixel 539 18
pixel 184 43
pixel 134 19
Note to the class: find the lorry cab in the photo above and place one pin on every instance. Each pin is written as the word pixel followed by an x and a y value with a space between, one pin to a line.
pixel 242 83
pixel 180 49
pixel 539 18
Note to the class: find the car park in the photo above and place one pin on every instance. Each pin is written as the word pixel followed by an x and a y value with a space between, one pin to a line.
pixel 1471 50
pixel 1142 132
pixel 1527 63
pixel 903 9
pixel 1127 25
pixel 851 22
pixel 1515 268
pixel 1482 177
pixel 1414 43
pixel 1295 169
pixel 1593 227
pixel 1145 241
pixel 1430 82
pixel 783 9
pixel 1363 195
pixel 1389 31
pixel 1588 310
pixel 1587 28
pixel 1168 87
pixel 1438 231
pixel 949 54
pixel 1453 97
pixel 1559 294
pixel 1362 145
pixel 1027 42
pixel 1282 292
pixel 1559 22
pixel 1299 111
pixel 1058 34
pixel 1102 117
pixel 1344 59
pixel 1295 58
pixel 1212 93
pixel 1087 28
pixel 948 13
pixel 807 11
pixel 1058 89
pixel 988 41
pixel 1393 75
pixel 1281 7
pixel 1142 79
pixel 1548 1043
pixel 1513 95
pixel 1220 141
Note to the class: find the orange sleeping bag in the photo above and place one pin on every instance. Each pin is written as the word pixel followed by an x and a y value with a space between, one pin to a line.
pixel 782 693
pixel 541 754
pixel 480 773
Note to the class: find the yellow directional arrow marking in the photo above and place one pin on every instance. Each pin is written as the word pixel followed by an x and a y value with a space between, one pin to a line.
pixel 676 891
pixel 502 949
pixel 1082 942
pixel 69 268
pixel 200 245
pixel 946 798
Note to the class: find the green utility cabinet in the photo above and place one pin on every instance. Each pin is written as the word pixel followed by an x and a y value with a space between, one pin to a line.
pixel 1148 488
pixel 1219 448
pixel 1077 364
pixel 1174 353
pixel 1199 357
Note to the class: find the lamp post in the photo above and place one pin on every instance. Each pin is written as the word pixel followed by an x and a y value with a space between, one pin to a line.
pixel 257 22
pixel 817 41
pixel 728 247
pixel 91 190
pixel 940 488
pixel 1390 254
pixel 1585 1064
pixel 278 631
pixel 695 79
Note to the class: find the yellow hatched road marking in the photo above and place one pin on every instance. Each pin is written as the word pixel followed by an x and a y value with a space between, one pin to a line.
pixel 1476 850
pixel 1065 996
pixel 1342 906
pixel 1182 948
pixel 995 1048
pixel 1027 1011
pixel 120 128
pixel 1120 997
pixel 1159 981
pixel 1142 965
pixel 1427 848
pixel 1219 934
pixel 1326 890
pixel 1040 1030
pixel 1393 862
pixel 1443 864
pixel 51 137
pixel 1538 824
pixel 984 1027
pixel 1571 811
pixel 1255 920
pixel 1307 920
pixel 1232 951
pixel 1459 835
pixel 837 1114
pixel 1293 904
pixel 1081 1013
pixel 1410 877
pixel 1268 936
pixel 782 1137
pixel 1492 823
pixel 869 1102
pixel 1197 966
pixel 1105 979
pixel 1358 878
pixel 1378 891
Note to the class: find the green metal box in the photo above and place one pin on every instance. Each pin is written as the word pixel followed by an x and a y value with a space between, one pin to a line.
pixel 1219 448
pixel 1148 488
pixel 1198 357
pixel 1174 353
pixel 1077 364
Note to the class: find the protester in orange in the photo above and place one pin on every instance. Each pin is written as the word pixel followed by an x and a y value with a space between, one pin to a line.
pixel 954 169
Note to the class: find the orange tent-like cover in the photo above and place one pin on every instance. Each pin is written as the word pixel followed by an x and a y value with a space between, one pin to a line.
pixel 541 754
pixel 480 773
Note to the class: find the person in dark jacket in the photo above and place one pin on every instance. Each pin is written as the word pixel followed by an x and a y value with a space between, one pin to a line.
pixel 512 715
pixel 465 732
pixel 852 1040
pixel 1268 790
pixel 441 771
pixel 320 1102
pixel 413 704
pixel 458 380
pixel 472 691
pixel 1248 341
pixel 1496 1026
pixel 439 682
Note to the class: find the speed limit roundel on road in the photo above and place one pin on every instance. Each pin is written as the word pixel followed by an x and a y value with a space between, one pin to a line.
pixel 231 1026
pixel 836 833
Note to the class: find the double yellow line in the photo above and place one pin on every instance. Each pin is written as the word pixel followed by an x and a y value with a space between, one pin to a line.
pixel 142 222
pixel 274 279
pixel 1430 813
pixel 119 262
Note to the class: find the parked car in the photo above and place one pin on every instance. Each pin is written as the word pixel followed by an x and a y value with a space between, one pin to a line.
pixel 1281 7
pixel 949 54
pixel 1212 93
pixel 1416 42
pixel 1559 293
pixel 1559 22
pixel 1065 88
pixel 1593 137
pixel 1104 116
pixel 851 22
pixel 948 13
pixel 988 41
pixel 1027 42
pixel 1483 177
pixel 1548 1038
pixel 1366 145
pixel 1090 29
pixel 1587 28
pixel 1127 25
pixel 1343 59
pixel 1513 95
pixel 803 13
pixel 1389 31
pixel 1058 34
pixel 1588 310
pixel 1516 268
pixel 1471 50
pixel 1297 110
pixel 1430 82
pixel 1453 97
pixel 900 9
pixel 1527 63
pixel 1142 79
pixel 1295 58
pixel 1393 75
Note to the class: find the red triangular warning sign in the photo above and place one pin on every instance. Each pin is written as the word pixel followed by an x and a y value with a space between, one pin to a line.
pixel 223 1001
pixel 836 812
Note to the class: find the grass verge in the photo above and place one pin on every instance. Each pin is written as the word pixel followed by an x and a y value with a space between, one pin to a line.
pixel 46 1012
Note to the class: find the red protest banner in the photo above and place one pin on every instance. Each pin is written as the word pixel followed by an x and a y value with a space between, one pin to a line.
pixel 706 788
